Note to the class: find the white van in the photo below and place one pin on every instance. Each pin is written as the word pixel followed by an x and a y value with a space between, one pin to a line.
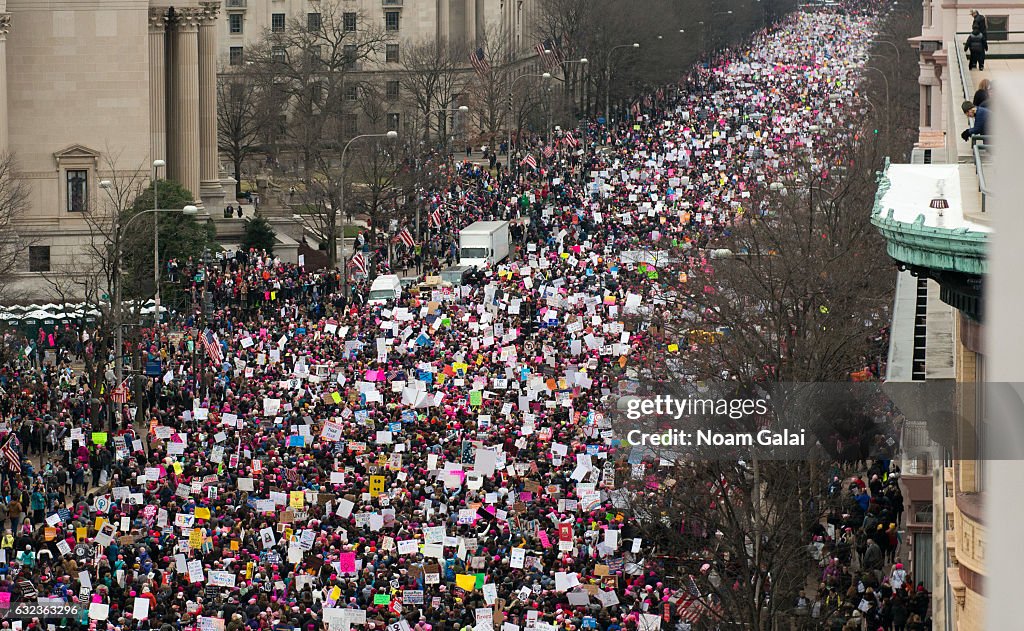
pixel 384 289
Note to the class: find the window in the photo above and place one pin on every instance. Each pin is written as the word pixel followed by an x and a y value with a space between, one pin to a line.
pixel 315 56
pixel 391 53
pixel 393 120
pixel 998 27
pixel 348 22
pixel 39 258
pixel 921 512
pixel 236 90
pixel 235 56
pixel 313 22
pixel 78 190
pixel 351 124
pixel 235 23
pixel 278 54
pixel 391 20
pixel 352 93
pixel 392 90
pixel 349 50
pixel 277 23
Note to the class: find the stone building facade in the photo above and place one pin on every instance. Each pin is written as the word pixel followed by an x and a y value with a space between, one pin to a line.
pixel 96 90
pixel 464 24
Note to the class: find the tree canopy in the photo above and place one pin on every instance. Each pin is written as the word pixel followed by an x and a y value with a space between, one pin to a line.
pixel 181 236
pixel 259 234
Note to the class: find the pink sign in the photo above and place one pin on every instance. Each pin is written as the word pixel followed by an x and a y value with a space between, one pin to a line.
pixel 544 541
pixel 347 562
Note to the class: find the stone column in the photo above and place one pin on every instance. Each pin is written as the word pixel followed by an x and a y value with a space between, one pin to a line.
pixel 186 101
pixel 5 27
pixel 157 83
pixel 471 24
pixel 209 171
pixel 443 27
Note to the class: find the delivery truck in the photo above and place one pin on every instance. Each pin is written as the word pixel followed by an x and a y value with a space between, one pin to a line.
pixel 483 243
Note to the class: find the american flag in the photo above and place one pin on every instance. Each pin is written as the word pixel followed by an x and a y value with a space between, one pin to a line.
pixel 358 263
pixel 479 62
pixel 212 346
pixel 10 455
pixel 549 53
pixel 636 109
pixel 661 94
pixel 405 237
pixel 690 609
pixel 691 587
pixel 435 217
pixel 570 140
pixel 120 393
pixel 548 151
pixel 529 160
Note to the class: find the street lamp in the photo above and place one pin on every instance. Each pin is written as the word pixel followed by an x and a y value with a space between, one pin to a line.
pixel 391 135
pixel 119 230
pixel 608 78
pixel 894 47
pixel 583 61
pixel 511 91
pixel 888 104
pixel 157 164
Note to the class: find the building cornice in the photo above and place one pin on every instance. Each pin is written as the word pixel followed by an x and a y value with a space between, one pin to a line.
pixel 915 244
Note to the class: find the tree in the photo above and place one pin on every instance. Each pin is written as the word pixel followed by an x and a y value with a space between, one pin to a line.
pixel 14 203
pixel 782 307
pixel 379 176
pixel 489 93
pixel 736 534
pixel 91 277
pixel 259 235
pixel 782 321
pixel 244 111
pixel 181 236
pixel 592 28
pixel 373 104
pixel 311 66
pixel 432 70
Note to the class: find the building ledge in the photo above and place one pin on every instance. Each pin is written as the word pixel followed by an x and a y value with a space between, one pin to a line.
pixel 926 214
pixel 957 585
pixel 971 505
pixel 919 235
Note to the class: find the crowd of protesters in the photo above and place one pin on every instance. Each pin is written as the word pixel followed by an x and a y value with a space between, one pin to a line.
pixel 305 461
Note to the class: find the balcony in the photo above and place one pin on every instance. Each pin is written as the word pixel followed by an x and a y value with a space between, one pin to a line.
pixel 392 3
pixel 234 4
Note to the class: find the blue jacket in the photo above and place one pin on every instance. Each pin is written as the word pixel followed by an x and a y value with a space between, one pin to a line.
pixel 980 121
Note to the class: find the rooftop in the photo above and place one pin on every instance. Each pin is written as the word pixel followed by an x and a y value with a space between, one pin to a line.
pixel 913 190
